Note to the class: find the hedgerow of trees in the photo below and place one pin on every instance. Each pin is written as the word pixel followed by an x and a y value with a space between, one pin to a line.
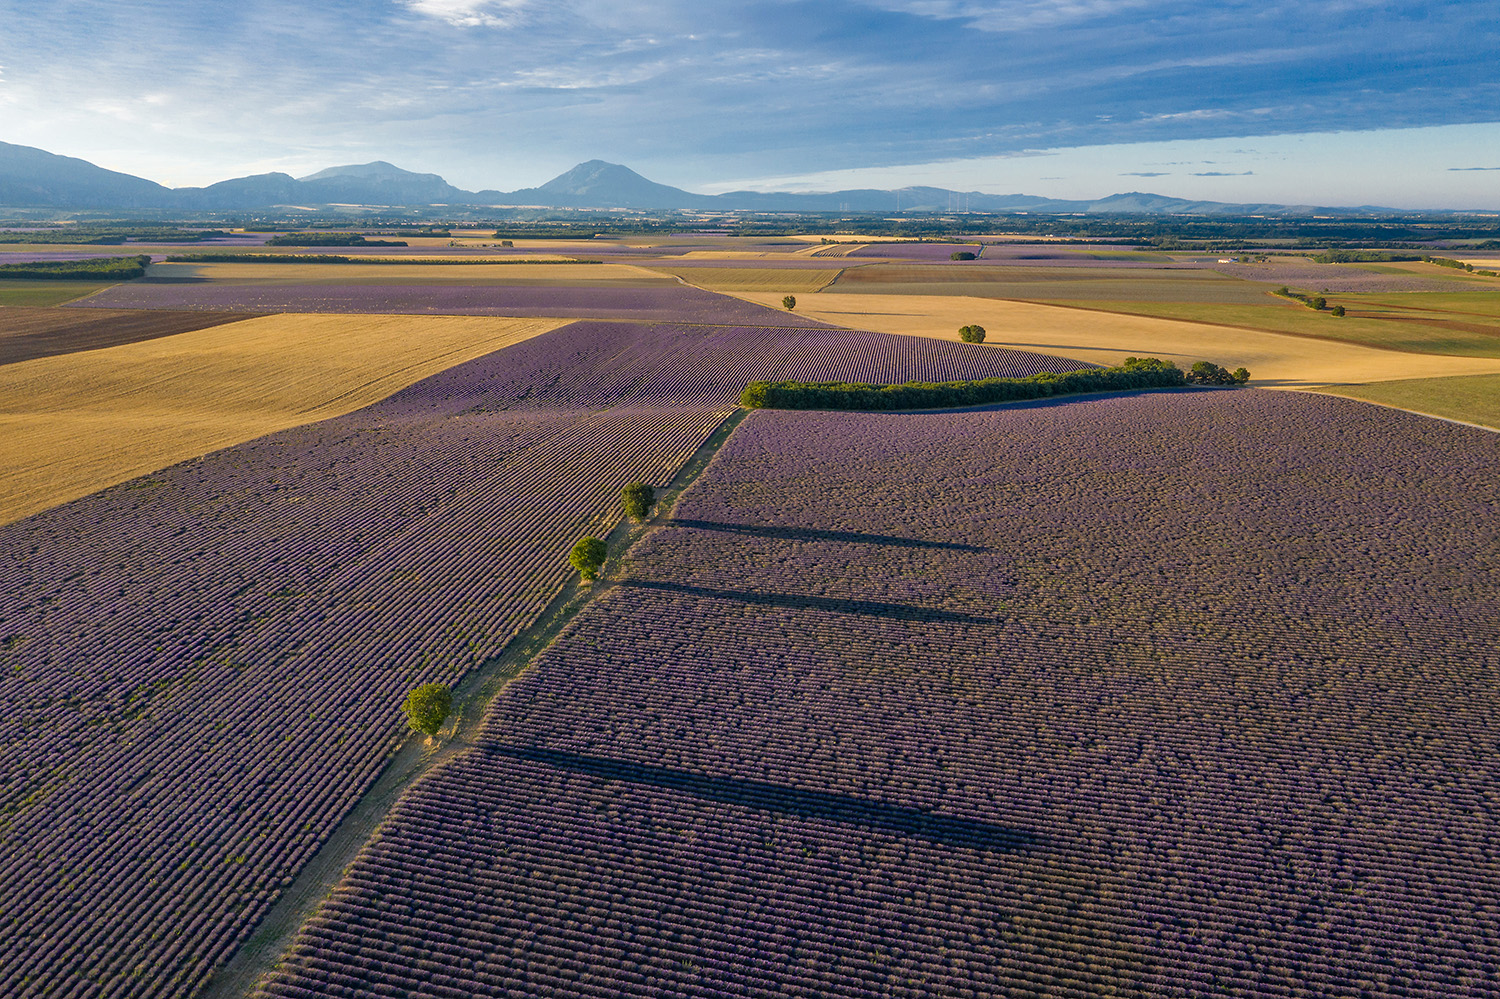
pixel 1135 373
pixel 106 269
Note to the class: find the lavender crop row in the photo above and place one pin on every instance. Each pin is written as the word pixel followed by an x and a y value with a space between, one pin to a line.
pixel 1309 276
pixel 663 304
pixel 202 668
pixel 1181 696
pixel 913 251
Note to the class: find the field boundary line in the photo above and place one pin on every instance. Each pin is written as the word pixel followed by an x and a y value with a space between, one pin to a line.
pixel 1399 409
pixel 1231 326
pixel 417 757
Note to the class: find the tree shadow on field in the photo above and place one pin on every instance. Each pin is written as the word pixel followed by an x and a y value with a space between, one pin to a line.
pixel 802 601
pixel 901 820
pixel 811 534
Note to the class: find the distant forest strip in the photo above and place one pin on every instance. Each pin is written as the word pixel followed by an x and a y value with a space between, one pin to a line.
pixel 104 268
pixel 1135 373
pixel 339 258
pixel 330 239
pixel 109 237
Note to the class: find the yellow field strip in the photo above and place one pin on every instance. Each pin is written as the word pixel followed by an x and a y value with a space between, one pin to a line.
pixel 736 279
pixel 75 423
pixel 1274 359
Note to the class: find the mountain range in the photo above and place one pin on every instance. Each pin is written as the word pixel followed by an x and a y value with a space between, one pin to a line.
pixel 35 178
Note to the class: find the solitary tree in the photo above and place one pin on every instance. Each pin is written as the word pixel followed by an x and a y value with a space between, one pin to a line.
pixel 1337 310
pixel 789 302
pixel 971 334
pixel 638 499
pixel 1241 376
pixel 427 707
pixel 588 556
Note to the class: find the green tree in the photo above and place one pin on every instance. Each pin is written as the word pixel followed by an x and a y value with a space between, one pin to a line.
pixel 961 255
pixel 1240 376
pixel 588 556
pixel 427 707
pixel 789 302
pixel 971 334
pixel 1338 310
pixel 638 499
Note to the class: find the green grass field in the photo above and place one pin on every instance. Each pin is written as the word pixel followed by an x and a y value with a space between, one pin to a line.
pixel 1402 321
pixel 1471 398
pixel 1062 284
pixel 44 294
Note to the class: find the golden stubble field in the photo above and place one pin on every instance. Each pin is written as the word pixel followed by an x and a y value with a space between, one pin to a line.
pixel 76 423
pixel 1274 359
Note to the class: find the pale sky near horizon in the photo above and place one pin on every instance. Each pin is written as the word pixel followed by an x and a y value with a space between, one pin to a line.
pixel 1343 102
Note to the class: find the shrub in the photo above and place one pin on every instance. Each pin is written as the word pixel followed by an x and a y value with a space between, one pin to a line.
pixel 1338 310
pixel 1208 373
pixel 588 556
pixel 789 302
pixel 427 707
pixel 961 255
pixel 638 499
pixel 971 334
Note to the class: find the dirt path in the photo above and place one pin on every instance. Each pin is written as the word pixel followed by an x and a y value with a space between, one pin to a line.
pixel 417 756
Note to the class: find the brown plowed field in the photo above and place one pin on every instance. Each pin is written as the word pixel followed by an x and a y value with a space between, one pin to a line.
pixel 26 334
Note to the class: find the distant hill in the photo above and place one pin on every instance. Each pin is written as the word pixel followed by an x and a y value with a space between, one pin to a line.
pixel 379 183
pixel 597 184
pixel 34 178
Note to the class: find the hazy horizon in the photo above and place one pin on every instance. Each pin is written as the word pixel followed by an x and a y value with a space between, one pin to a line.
pixel 1239 102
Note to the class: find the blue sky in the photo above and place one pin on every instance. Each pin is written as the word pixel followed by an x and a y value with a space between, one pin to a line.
pixel 1332 102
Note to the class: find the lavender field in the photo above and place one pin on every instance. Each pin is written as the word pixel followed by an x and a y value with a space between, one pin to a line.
pixel 203 667
pixel 1179 695
pixel 664 304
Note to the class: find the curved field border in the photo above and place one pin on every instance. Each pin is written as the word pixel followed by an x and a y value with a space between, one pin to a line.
pixel 1275 360
pixel 75 423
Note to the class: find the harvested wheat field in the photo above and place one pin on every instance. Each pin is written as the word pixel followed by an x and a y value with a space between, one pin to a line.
pixel 1274 359
pixel 29 333
pixel 75 423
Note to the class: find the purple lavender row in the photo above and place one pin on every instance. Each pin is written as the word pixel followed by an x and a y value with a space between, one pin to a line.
pixel 1182 695
pixel 203 666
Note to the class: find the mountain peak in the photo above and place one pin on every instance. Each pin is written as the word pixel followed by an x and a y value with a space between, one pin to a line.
pixel 378 170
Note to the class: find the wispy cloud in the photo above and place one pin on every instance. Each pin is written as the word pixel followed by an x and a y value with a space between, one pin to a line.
pixel 1221 173
pixel 1470 169
pixel 472 13
pixel 1145 173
